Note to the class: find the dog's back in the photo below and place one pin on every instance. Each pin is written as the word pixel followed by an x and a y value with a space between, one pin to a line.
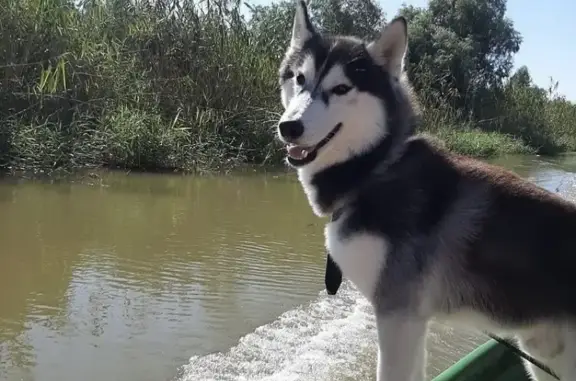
pixel 505 246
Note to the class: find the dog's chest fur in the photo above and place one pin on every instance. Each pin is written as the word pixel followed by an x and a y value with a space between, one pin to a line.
pixel 361 255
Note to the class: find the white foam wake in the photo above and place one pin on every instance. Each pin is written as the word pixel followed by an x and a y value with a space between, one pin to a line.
pixel 307 343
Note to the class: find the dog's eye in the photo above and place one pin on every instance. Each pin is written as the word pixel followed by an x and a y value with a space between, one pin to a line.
pixel 300 79
pixel 341 89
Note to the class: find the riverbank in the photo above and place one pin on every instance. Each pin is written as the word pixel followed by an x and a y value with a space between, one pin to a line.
pixel 140 141
pixel 47 157
pixel 157 148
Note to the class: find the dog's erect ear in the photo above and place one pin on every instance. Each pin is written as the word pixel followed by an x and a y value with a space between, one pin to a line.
pixel 302 29
pixel 390 47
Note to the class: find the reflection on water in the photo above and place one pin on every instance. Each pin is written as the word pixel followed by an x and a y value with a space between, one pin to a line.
pixel 126 277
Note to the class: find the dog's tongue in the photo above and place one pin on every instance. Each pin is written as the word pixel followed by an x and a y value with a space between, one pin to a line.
pixel 296 152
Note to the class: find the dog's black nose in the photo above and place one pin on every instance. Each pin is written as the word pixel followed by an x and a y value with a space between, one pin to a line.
pixel 292 129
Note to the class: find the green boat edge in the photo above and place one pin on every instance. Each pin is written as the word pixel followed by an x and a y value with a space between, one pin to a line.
pixel 491 361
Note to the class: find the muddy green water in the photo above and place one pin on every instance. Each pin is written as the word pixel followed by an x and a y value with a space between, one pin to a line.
pixel 158 277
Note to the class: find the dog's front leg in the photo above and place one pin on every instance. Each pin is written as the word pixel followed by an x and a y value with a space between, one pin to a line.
pixel 401 347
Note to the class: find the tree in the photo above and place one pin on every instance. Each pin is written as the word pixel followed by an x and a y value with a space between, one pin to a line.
pixel 272 24
pixel 362 18
pixel 461 48
pixel 521 78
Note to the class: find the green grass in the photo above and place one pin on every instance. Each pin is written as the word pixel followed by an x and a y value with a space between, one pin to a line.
pixel 126 86
pixel 482 144
pixel 447 127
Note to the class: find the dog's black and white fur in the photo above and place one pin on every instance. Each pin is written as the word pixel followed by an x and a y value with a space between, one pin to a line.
pixel 421 232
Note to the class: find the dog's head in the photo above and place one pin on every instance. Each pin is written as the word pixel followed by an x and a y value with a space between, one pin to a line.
pixel 337 91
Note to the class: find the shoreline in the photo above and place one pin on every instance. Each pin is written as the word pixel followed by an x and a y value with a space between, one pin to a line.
pixel 473 143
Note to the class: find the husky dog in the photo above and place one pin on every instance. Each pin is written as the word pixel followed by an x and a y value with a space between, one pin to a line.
pixel 421 232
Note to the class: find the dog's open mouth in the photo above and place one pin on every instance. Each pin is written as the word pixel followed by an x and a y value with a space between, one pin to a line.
pixel 301 155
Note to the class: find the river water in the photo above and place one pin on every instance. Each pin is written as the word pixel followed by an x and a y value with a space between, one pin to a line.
pixel 143 277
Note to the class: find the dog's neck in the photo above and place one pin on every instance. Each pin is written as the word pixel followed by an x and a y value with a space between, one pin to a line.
pixel 328 190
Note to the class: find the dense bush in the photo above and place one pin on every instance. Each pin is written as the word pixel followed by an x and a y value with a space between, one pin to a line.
pixel 170 84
